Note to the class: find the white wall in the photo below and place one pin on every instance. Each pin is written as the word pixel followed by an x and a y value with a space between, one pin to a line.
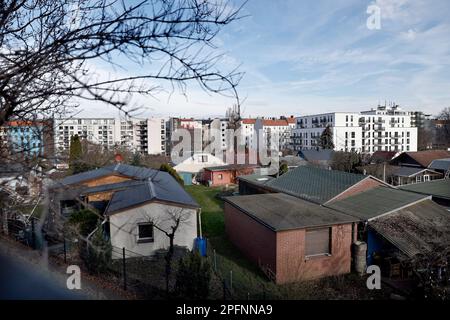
pixel 124 228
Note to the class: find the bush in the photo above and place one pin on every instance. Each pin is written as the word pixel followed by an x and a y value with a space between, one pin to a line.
pixel 167 168
pixel 193 277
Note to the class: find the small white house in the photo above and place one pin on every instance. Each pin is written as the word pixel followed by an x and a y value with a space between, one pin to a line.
pixel 142 216
pixel 192 165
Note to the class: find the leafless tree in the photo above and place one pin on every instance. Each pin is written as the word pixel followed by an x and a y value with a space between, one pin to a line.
pixel 48 49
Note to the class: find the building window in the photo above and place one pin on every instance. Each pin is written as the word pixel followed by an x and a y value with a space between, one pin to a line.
pixel 145 232
pixel 204 158
pixel 318 242
pixel 220 176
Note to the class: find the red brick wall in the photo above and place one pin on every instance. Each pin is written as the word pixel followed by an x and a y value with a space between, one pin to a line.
pixel 284 252
pixel 227 178
pixel 253 239
pixel 293 266
pixel 363 185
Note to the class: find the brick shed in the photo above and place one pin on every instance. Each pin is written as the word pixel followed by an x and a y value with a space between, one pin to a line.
pixel 289 238
pixel 222 175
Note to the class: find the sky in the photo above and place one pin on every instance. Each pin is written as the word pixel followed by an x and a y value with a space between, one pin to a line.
pixel 303 57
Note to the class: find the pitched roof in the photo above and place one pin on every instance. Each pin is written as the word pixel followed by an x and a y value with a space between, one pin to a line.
pixel 375 202
pixel 437 188
pixel 276 122
pixel 283 212
pixel 248 121
pixel 317 155
pixel 440 164
pixel 424 158
pixel 232 167
pixel 382 156
pixel 421 228
pixel 409 171
pixel 314 184
pixel 133 172
pixel 162 187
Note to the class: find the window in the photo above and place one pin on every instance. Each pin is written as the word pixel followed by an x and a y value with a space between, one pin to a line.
pixel 318 242
pixel 204 158
pixel 145 232
pixel 220 176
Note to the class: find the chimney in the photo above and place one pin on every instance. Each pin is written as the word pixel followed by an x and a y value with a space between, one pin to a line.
pixel 118 158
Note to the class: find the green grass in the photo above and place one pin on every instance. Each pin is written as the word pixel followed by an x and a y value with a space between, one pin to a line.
pixel 246 274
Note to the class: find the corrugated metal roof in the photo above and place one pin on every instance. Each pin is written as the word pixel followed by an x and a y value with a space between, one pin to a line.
pixel 374 202
pixel 314 184
pixel 438 188
pixel 280 211
pixel 162 187
pixel 232 167
pixel 440 164
pixel 420 228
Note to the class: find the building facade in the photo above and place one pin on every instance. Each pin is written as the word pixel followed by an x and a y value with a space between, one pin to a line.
pixel 147 136
pixel 381 129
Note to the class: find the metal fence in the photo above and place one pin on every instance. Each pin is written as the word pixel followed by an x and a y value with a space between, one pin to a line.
pixel 237 282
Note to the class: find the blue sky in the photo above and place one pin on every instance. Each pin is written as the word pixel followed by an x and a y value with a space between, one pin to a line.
pixel 304 57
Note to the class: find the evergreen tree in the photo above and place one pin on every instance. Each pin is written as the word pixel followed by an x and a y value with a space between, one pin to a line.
pixel 75 154
pixel 326 139
pixel 193 277
pixel 167 168
pixel 136 160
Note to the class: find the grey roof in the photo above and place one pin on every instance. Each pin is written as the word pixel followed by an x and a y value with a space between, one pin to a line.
pixel 280 211
pixel 440 164
pixel 374 202
pixel 421 228
pixel 256 178
pixel 436 188
pixel 293 161
pixel 316 155
pixel 314 184
pixel 162 187
pixel 138 173
pixel 232 167
pixel 409 171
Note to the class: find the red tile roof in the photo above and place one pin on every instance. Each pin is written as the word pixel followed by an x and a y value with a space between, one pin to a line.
pixel 248 121
pixel 424 158
pixel 280 122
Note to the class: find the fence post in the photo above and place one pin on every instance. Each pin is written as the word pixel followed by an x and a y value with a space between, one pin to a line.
pixel 65 251
pixel 215 261
pixel 124 270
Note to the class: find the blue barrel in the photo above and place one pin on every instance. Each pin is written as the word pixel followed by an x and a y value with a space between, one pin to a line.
pixel 200 245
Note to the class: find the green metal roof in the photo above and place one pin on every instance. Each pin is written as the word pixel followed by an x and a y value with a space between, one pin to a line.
pixel 314 184
pixel 374 202
pixel 280 211
pixel 436 188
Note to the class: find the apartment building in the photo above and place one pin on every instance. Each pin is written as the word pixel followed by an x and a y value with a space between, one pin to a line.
pixel 381 129
pixel 147 136
pixel 280 128
pixel 28 138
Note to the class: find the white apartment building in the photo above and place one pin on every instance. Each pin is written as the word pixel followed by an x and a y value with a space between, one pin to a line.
pixel 381 129
pixel 281 128
pixel 147 136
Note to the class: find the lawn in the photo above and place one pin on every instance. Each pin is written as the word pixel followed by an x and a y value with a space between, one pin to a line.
pixel 247 277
